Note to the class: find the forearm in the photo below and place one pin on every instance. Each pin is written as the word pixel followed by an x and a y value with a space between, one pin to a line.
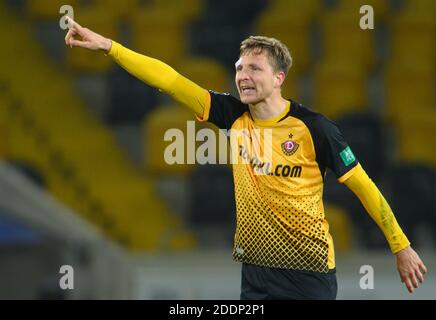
pixel 160 75
pixel 378 208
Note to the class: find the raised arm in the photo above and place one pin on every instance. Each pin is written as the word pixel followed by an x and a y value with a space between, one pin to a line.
pixel 409 265
pixel 152 71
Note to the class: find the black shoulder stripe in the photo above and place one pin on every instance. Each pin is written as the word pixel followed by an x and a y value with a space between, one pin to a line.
pixel 225 109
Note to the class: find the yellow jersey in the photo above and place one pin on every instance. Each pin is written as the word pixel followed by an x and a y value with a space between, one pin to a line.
pixel 280 213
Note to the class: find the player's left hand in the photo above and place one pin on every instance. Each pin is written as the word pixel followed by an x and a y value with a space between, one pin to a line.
pixel 411 268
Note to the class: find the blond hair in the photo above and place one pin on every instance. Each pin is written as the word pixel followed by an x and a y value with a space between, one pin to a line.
pixel 278 53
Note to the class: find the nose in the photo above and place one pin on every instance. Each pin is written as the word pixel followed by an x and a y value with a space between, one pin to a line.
pixel 241 75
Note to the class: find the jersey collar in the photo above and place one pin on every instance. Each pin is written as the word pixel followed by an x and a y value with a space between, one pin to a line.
pixel 269 122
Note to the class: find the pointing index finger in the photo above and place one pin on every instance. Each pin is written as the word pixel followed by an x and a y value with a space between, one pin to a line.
pixel 72 23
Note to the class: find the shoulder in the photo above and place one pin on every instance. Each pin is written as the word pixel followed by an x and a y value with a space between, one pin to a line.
pixel 225 109
pixel 226 98
pixel 317 122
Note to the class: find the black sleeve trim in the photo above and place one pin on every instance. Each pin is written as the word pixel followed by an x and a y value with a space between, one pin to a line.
pixel 332 151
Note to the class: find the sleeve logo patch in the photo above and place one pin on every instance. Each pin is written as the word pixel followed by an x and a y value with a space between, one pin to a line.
pixel 347 156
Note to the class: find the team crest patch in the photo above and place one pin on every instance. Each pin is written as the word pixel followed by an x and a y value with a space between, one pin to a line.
pixel 289 147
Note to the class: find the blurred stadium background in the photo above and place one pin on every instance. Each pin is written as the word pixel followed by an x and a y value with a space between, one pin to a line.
pixel 82 176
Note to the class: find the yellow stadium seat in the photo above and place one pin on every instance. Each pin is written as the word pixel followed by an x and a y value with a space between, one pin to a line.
pixel 116 8
pixel 4 111
pixel 413 38
pixel 341 227
pixel 186 10
pixel 306 8
pixel 160 35
pixel 428 6
pixel 19 140
pixel 182 240
pixel 52 131
pixel 25 148
pixel 381 8
pixel 47 9
pixel 83 60
pixel 3 140
pixel 293 31
pixel 416 136
pixel 343 40
pixel 175 118
pixel 290 88
pixel 339 88
pixel 164 118
pixel 64 190
pixel 407 87
pixel 206 72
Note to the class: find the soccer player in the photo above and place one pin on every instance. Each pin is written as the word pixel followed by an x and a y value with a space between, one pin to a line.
pixel 282 236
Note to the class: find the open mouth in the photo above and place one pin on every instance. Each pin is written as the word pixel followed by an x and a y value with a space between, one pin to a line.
pixel 247 89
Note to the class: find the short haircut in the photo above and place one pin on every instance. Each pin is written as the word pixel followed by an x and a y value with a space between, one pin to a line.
pixel 278 53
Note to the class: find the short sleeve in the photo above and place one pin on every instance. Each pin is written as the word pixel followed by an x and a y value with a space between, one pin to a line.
pixel 333 151
pixel 223 110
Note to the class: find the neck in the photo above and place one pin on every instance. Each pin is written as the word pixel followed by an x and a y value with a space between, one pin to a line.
pixel 269 108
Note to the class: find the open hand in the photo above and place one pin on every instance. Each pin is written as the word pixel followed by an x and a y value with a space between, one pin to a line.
pixel 411 268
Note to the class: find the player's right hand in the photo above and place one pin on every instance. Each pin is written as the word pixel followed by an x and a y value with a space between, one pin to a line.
pixel 88 39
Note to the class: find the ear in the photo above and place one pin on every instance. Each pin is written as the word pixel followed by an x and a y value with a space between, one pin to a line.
pixel 279 78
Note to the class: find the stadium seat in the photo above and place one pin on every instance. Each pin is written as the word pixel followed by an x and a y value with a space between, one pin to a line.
pixel 130 100
pixel 340 227
pixel 381 8
pixel 339 88
pixel 290 88
pixel 159 36
pixel 175 117
pixel 309 9
pixel 408 87
pixel 221 28
pixel 293 30
pixel 4 140
pixel 212 213
pixel 344 41
pixel 86 61
pixel 164 118
pixel 47 9
pixel 206 72
pixel 230 12
pixel 365 133
pixel 416 136
pixel 23 148
pixel 412 186
pixel 187 10
pixel 420 6
pixel 413 29
pixel 366 233
pixel 116 9
pixel 51 129
pixel 4 134
pixel 213 39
